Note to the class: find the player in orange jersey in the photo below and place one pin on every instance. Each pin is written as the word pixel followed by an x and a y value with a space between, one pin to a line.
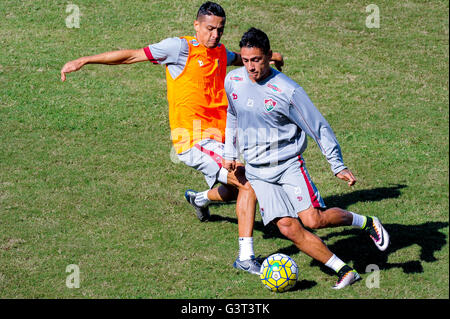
pixel 195 73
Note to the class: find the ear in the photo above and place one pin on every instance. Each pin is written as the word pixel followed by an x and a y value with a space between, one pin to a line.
pixel 269 54
pixel 196 25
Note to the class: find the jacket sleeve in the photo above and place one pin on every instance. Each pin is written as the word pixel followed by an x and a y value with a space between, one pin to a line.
pixel 303 113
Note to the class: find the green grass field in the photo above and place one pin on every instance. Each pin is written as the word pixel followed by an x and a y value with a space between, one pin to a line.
pixel 85 170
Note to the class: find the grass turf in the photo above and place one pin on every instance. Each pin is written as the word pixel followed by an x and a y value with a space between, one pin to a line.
pixel 85 170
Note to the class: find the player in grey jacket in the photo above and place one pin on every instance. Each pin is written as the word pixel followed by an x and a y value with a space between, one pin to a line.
pixel 269 117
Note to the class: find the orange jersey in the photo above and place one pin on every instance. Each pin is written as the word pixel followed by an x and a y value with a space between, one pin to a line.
pixel 197 98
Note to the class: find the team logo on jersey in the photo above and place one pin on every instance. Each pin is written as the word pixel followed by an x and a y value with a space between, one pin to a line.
pixel 236 78
pixel 250 102
pixel 269 104
pixel 200 62
pixel 195 43
pixel 234 96
pixel 274 87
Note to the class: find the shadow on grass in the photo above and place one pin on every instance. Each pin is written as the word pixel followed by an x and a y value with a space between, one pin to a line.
pixel 303 285
pixel 365 195
pixel 357 247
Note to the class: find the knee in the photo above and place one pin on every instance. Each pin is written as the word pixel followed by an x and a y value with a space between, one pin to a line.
pixel 288 227
pixel 312 218
pixel 247 189
pixel 227 193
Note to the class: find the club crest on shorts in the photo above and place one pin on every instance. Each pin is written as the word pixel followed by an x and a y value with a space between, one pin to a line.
pixel 269 104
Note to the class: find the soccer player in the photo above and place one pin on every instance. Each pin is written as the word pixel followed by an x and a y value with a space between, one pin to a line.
pixel 195 74
pixel 269 117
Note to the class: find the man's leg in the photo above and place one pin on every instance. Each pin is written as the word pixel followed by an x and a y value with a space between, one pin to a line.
pixel 236 187
pixel 316 218
pixel 245 212
pixel 306 241
pixel 245 202
pixel 205 158
pixel 223 193
pixel 306 199
pixel 314 247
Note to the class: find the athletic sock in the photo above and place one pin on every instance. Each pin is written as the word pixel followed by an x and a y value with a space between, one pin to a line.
pixel 369 222
pixel 335 263
pixel 358 220
pixel 246 248
pixel 201 199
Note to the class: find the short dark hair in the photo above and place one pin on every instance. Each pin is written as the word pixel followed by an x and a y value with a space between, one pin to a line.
pixel 210 8
pixel 255 38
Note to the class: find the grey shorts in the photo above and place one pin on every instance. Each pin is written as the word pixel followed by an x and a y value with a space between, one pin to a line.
pixel 291 192
pixel 206 157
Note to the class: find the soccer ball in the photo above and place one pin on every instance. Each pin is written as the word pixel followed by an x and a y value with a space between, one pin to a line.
pixel 279 272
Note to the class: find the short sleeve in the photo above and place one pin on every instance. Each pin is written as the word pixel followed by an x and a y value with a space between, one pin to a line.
pixel 165 52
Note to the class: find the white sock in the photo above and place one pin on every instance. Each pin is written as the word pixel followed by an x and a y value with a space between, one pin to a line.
pixel 201 199
pixel 245 248
pixel 335 263
pixel 223 176
pixel 358 220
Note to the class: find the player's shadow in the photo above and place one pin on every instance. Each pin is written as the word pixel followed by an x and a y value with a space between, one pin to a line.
pixel 359 248
pixel 365 195
pixel 355 245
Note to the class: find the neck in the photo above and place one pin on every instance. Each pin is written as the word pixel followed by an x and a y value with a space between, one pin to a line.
pixel 265 75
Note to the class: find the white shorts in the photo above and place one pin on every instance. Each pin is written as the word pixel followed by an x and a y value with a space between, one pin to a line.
pixel 291 193
pixel 206 157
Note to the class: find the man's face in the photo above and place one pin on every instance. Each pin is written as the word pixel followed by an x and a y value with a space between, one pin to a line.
pixel 256 62
pixel 209 30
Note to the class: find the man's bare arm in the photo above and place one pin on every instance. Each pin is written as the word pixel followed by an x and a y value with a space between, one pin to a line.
pixel 277 60
pixel 237 60
pixel 110 58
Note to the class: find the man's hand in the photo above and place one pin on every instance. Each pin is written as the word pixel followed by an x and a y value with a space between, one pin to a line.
pixel 277 59
pixel 347 175
pixel 71 66
pixel 229 165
